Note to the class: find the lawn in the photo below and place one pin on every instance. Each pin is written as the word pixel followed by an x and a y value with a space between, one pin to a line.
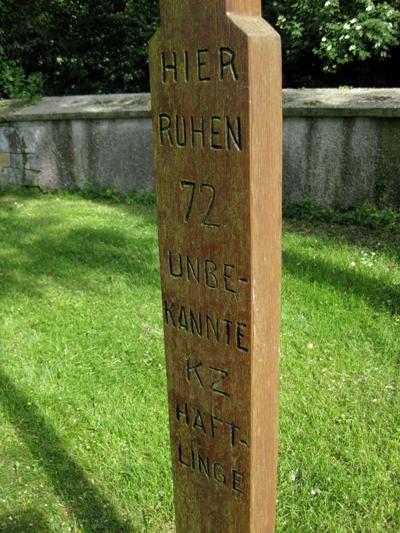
pixel 83 410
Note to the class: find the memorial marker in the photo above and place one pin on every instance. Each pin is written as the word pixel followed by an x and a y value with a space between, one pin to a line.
pixel 217 119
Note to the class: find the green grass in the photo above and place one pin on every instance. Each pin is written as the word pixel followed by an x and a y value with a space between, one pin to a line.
pixel 83 410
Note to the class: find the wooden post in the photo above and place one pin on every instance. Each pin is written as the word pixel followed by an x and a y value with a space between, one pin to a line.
pixel 217 116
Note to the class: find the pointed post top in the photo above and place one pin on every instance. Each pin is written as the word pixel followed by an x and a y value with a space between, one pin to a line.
pixel 176 8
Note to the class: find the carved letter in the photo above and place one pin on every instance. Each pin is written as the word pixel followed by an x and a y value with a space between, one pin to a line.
pixel 231 135
pixel 236 479
pixel 214 420
pixel 196 326
pixel 168 312
pixel 227 61
pixel 227 277
pixel 171 67
pixel 198 422
pixel 234 429
pixel 196 131
pixel 240 336
pixel 215 132
pixel 193 369
pixel 180 454
pixel 201 64
pixel 211 280
pixel 180 141
pixel 184 413
pixel 222 376
pixel 204 464
pixel 178 274
pixel 165 128
pixel 220 477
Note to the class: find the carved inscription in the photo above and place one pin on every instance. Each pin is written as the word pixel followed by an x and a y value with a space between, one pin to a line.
pixel 182 66
pixel 208 273
pixel 203 188
pixel 210 425
pixel 201 464
pixel 206 326
pixel 217 133
pixel 207 377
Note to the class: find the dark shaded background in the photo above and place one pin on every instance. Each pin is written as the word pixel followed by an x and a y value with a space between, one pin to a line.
pixel 100 46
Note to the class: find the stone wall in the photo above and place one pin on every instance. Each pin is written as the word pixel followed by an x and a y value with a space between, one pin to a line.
pixel 341 147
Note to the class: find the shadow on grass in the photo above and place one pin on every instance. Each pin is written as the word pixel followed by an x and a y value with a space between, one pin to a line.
pixel 378 294
pixel 90 508
pixel 362 238
pixel 27 520
pixel 34 248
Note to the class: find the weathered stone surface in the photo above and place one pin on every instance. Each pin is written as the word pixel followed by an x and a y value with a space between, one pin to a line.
pixel 342 162
pixel 357 130
pixel 382 103
pixel 217 119
pixel 70 154
pixel 105 106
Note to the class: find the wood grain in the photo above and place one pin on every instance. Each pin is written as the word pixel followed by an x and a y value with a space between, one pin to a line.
pixel 217 116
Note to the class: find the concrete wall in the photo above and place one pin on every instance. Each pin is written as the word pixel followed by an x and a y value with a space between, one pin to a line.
pixel 341 147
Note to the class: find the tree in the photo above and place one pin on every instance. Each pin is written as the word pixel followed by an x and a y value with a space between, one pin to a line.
pixel 323 37
pixel 98 46
pixel 75 46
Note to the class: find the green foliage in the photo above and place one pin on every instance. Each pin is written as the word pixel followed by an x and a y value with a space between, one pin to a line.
pixel 15 83
pixel 334 33
pixel 372 31
pixel 79 47
pixel 92 192
pixel 15 80
pixel 100 46
pixel 364 216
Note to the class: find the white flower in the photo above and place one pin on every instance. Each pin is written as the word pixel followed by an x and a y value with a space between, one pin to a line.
pixel 323 39
pixel 353 21
pixel 369 8
pixel 327 4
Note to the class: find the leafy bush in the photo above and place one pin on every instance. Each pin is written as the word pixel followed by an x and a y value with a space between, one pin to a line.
pixel 17 81
pixel 323 37
pixel 16 84
pixel 77 46
pixel 99 46
pixel 364 216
